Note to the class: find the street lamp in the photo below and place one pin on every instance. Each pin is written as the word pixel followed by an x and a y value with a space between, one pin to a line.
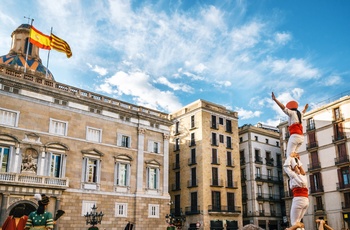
pixel 93 218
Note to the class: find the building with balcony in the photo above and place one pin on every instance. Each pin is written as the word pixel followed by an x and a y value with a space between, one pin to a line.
pixel 261 176
pixel 204 166
pixel 325 157
pixel 79 148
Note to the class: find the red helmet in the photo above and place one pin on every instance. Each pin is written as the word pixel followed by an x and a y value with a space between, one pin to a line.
pixel 292 105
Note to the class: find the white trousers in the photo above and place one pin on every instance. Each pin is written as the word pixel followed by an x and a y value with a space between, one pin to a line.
pixel 298 209
pixel 294 143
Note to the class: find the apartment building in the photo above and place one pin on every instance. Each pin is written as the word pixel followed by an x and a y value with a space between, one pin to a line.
pixel 261 176
pixel 204 177
pixel 325 156
pixel 79 148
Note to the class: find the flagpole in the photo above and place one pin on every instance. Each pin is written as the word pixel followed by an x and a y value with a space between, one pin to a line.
pixel 31 24
pixel 48 58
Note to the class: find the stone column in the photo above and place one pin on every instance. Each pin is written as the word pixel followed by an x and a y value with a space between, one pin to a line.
pixel 166 164
pixel 3 214
pixel 57 206
pixel 140 159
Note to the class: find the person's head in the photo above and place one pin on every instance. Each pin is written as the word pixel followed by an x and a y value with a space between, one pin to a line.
pixel 43 201
pixel 292 105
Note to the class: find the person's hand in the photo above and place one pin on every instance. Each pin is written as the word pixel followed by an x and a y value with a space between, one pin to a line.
pixel 273 96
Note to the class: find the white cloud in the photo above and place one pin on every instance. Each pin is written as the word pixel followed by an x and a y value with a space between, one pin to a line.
pixel 222 84
pixel 293 67
pixel 174 86
pixel 331 80
pixel 97 69
pixel 282 37
pixel 245 114
pixel 136 84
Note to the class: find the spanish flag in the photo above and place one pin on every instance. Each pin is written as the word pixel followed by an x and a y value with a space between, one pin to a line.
pixel 39 39
pixel 60 45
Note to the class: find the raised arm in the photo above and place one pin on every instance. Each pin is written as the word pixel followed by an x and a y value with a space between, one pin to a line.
pixel 277 101
pixel 305 108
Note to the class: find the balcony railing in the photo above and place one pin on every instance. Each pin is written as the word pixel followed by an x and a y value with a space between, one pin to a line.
pixel 176 165
pixel 269 161
pixel 231 184
pixel 342 185
pixel 316 190
pixel 176 187
pixel 339 137
pixel 314 166
pixel 258 160
pixel 345 205
pixel 233 209
pixel 33 180
pixel 267 178
pixel 318 208
pixel 215 160
pixel 310 127
pixel 192 210
pixel 192 161
pixel 312 145
pixel 216 182
pixel 268 197
pixel 341 160
pixel 192 183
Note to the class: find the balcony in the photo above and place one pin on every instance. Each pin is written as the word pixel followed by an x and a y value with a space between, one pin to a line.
pixel 268 197
pixel 176 165
pixel 314 166
pixel 269 161
pixel 192 183
pixel 224 209
pixel 192 210
pixel 318 208
pixel 175 187
pixel 312 145
pixel 258 160
pixel 345 205
pixel 310 127
pixel 215 160
pixel 314 190
pixel 340 137
pixel 231 184
pixel 268 178
pixel 216 183
pixel 192 161
pixel 342 186
pixel 34 180
pixel 341 160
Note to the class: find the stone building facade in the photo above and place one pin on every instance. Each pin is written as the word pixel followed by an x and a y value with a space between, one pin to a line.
pixel 79 148
pixel 325 157
pixel 204 182
pixel 262 177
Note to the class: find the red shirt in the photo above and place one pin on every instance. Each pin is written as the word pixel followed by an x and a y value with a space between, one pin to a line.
pixel 296 128
pixel 300 192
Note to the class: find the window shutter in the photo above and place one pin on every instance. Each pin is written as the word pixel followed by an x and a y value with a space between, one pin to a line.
pixel 128 175
pixel 83 176
pixel 119 139
pixel 150 146
pixel 158 181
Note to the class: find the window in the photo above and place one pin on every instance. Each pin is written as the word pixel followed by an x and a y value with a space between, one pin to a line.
pixel 194 200
pixel 240 139
pixel 229 178
pixel 319 205
pixel 277 144
pixel 269 174
pixel 271 191
pixel 124 141
pixel 230 202
pixel 193 177
pixel 121 210
pixel 243 174
pixel 193 156
pixel 228 126
pixel 58 127
pixel 214 156
pixel 193 140
pixel 4 158
pixel 177 161
pixel 213 122
pixel 123 173
pixel 221 138
pixel 310 124
pixel 93 134
pixel 229 159
pixel 177 144
pixel 267 141
pixel 87 207
pixel 91 169
pixel 56 165
pixel 9 117
pixel 153 211
pixel 177 181
pixel 316 182
pixel 214 139
pixel 345 176
pixel 228 142
pixel 193 125
pixel 256 138
pixel 259 190
pixel 177 125
pixel 258 174
pixel 336 114
pixel 221 120
pixel 216 200
pixel 153 147
pixel 215 176
pixel 152 178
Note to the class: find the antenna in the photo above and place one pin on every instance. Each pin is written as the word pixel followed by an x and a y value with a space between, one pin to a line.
pixel 29 19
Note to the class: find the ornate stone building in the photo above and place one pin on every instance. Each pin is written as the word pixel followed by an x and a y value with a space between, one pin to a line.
pixel 78 147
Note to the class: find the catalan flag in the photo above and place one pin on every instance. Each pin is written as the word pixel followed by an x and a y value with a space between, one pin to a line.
pixel 39 39
pixel 60 45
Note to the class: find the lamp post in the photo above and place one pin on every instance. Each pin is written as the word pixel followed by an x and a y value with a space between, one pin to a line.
pixel 93 218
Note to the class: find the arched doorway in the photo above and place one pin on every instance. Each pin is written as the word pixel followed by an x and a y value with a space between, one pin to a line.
pixel 28 208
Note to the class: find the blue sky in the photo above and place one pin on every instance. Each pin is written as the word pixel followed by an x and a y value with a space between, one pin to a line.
pixel 167 54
